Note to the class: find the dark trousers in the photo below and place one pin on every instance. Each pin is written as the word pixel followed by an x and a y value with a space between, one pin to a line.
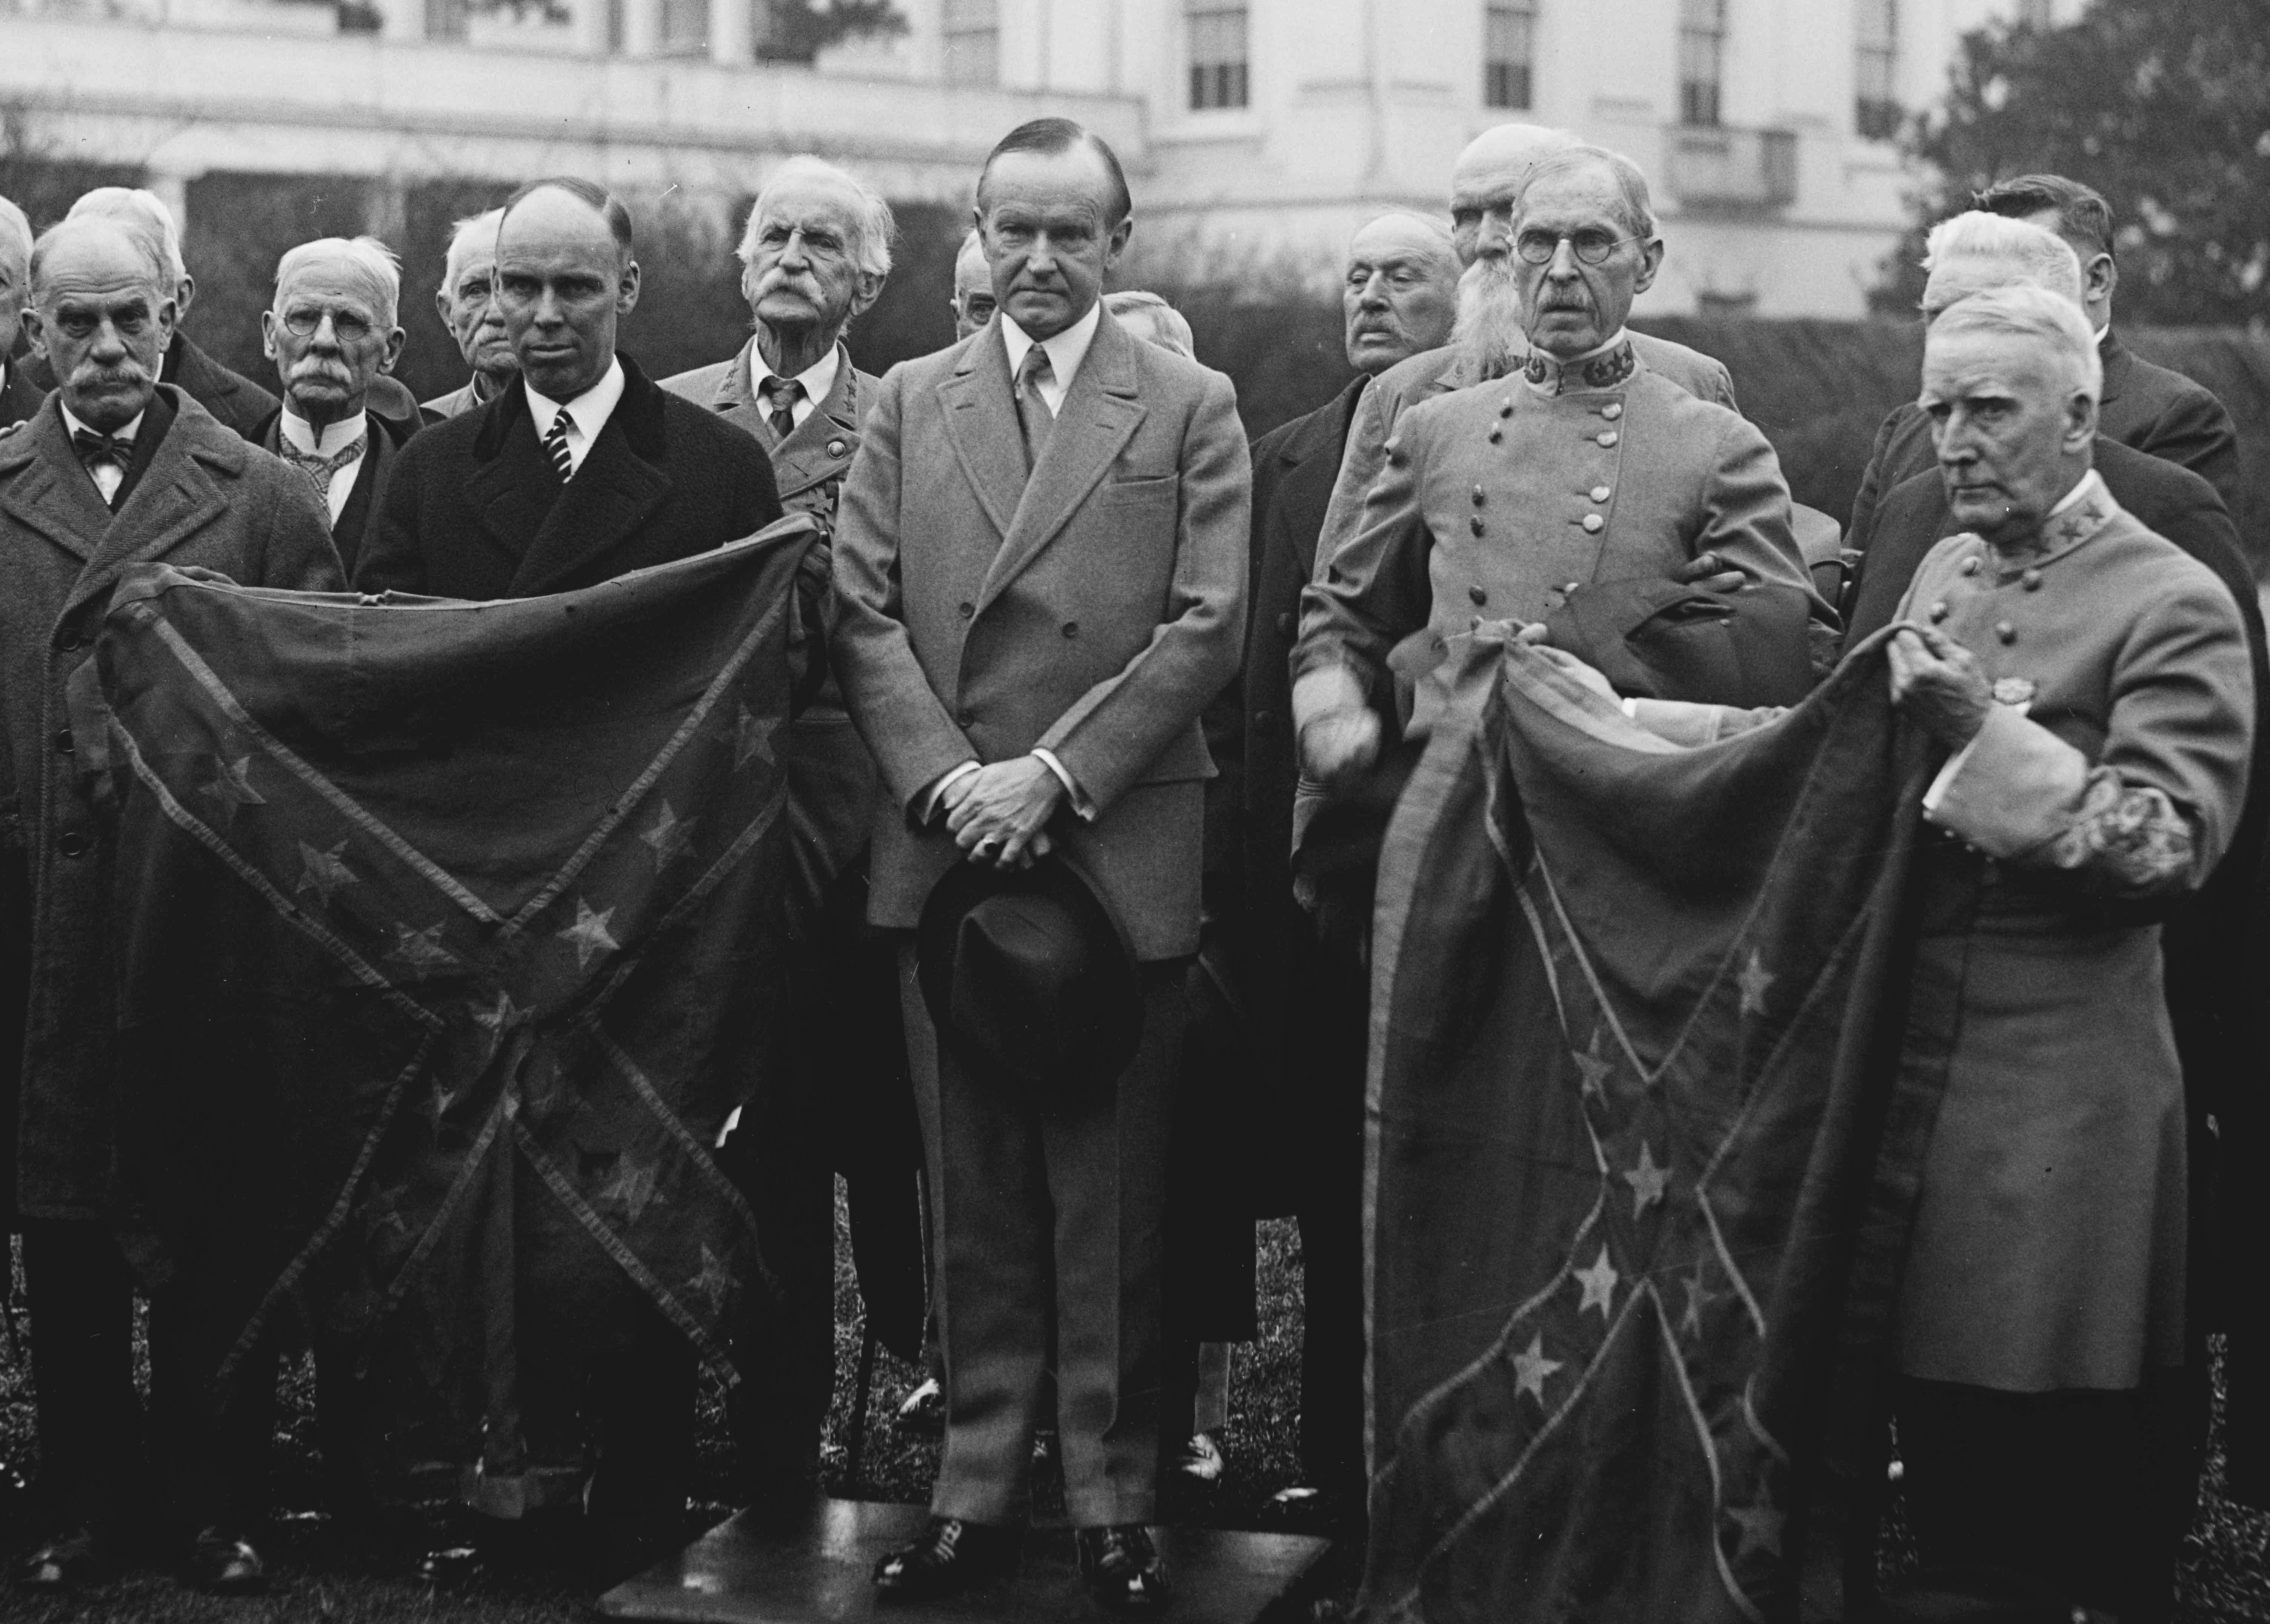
pixel 2068 1489
pixel 207 1441
pixel 1051 1215
pixel 788 1359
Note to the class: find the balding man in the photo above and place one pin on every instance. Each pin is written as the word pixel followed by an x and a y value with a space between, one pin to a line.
pixel 331 332
pixel 814 254
pixel 116 468
pixel 1590 472
pixel 1488 341
pixel 583 468
pixel 972 288
pixel 1304 1006
pixel 472 314
pixel 20 396
pixel 230 397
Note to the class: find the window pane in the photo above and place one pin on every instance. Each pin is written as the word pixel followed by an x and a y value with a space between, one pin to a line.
pixel 1509 47
pixel 1218 56
pixel 1701 42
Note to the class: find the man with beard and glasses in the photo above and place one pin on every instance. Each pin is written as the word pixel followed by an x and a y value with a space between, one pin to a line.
pixel 331 334
pixel 116 468
pixel 1590 470
pixel 1291 1071
pixel 468 307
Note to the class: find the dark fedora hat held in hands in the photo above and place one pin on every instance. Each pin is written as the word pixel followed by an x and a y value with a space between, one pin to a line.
pixel 1029 976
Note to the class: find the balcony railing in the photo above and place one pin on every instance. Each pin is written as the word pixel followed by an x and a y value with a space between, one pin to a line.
pixel 1723 168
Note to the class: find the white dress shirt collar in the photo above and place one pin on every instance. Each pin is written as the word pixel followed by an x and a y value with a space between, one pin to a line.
pixel 132 429
pixel 817 379
pixel 2103 333
pixel 1066 350
pixel 330 441
pixel 587 411
pixel 2090 483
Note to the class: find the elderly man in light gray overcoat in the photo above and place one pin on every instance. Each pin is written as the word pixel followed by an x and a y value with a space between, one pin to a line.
pixel 115 469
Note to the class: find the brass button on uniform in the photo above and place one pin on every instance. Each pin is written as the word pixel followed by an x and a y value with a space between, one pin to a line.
pixel 1594 523
pixel 836 447
pixel 1475 525
pixel 1938 609
pixel 1606 436
pixel 63 743
pixel 1600 493
pixel 1478 496
pixel 1971 565
pixel 2004 630
pixel 966 610
pixel 1612 411
pixel 2031 581
pixel 1496 435
pixel 1505 409
pixel 1479 596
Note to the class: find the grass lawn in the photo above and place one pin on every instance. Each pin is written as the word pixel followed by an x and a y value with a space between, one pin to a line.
pixel 548 1582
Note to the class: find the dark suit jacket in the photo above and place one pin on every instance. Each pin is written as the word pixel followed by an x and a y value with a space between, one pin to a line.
pixel 2147 407
pixel 387 434
pixel 473 508
pixel 21 395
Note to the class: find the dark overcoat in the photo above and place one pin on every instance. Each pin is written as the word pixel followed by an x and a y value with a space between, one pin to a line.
pixel 19 395
pixel 206 498
pixel 472 510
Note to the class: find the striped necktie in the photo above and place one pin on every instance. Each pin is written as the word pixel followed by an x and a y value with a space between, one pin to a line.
pixel 1033 414
pixel 555 446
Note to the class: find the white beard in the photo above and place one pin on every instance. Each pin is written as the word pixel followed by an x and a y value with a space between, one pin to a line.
pixel 1489 335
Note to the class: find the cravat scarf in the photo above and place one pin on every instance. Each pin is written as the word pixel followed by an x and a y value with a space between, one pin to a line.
pixel 319 468
pixel 1032 412
pixel 95 449
pixel 555 446
pixel 781 393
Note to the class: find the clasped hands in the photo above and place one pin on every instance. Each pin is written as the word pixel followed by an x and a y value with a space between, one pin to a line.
pixel 999 813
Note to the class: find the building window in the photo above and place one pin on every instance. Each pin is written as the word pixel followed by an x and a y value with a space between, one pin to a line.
pixel 1702 50
pixel 1876 66
pixel 972 33
pixel 1218 55
pixel 1509 53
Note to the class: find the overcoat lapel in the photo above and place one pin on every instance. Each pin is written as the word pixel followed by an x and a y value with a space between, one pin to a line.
pixel 612 493
pixel 177 497
pixel 54 497
pixel 803 460
pixel 1305 490
pixel 1100 416
pixel 511 488
pixel 981 424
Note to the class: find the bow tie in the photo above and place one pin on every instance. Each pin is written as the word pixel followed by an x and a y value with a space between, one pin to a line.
pixel 1603 371
pixel 319 468
pixel 95 449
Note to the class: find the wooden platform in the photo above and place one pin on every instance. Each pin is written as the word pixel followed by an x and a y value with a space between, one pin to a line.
pixel 741 1573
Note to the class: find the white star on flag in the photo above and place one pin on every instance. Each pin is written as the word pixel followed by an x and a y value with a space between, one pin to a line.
pixel 1754 981
pixel 232 786
pixel 716 1281
pixel 1599 1285
pixel 751 737
pixel 671 837
pixel 636 1183
pixel 1761 1527
pixel 1648 1180
pixel 589 933
pixel 1594 1070
pixel 420 950
pixel 500 1014
pixel 322 871
pixel 1530 1369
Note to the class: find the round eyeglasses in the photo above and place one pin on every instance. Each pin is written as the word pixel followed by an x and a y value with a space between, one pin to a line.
pixel 347 326
pixel 1591 246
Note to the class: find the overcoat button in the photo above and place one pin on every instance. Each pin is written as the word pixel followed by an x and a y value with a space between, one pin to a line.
pixel 836 447
pixel 2031 581
pixel 63 745
pixel 1496 435
pixel 1938 610
pixel 2004 630
pixel 1600 493
pixel 1606 436
pixel 71 641
pixel 1479 596
pixel 1971 565
pixel 1262 718
pixel 1478 497
pixel 966 610
pixel 1505 409
pixel 1475 525
pixel 1284 626
pixel 1072 628
pixel 74 844
pixel 1612 411
pixel 1594 523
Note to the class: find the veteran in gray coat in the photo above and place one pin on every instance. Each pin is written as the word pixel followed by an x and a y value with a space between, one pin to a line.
pixel 114 470
pixel 1589 467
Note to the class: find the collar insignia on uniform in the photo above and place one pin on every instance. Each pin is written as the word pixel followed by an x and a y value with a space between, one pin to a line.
pixel 1595 372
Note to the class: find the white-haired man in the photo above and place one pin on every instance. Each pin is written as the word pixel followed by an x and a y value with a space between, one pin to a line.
pixel 235 399
pixel 469 310
pixel 2092 685
pixel 331 332
pixel 814 254
pixel 115 469
pixel 973 287
pixel 20 396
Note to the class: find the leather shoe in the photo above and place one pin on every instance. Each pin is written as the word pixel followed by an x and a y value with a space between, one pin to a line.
pixel 952 1556
pixel 1122 1570
pixel 63 1563
pixel 225 1564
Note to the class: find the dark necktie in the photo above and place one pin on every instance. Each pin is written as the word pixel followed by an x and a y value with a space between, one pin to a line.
pixel 1032 412
pixel 555 447
pixel 319 468
pixel 95 449
pixel 781 393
